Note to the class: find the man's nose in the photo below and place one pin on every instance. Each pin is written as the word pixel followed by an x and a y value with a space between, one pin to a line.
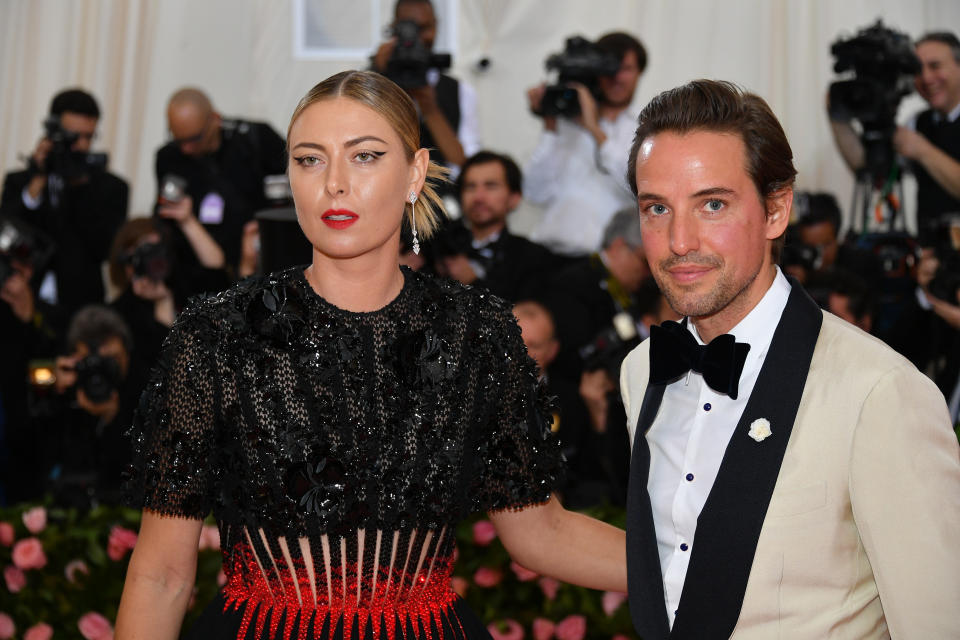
pixel 684 234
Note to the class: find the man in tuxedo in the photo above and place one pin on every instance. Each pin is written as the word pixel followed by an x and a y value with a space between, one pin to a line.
pixel 479 249
pixel 794 477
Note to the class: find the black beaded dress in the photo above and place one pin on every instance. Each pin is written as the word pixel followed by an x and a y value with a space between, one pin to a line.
pixel 338 451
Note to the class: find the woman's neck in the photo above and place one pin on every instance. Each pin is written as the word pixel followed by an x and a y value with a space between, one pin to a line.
pixel 362 284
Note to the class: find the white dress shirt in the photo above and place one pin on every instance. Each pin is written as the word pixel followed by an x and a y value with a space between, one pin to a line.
pixel 689 437
pixel 579 185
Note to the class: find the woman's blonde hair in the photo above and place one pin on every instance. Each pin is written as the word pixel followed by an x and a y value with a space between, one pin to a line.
pixel 390 101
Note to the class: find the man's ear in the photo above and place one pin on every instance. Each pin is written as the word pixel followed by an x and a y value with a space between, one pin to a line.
pixel 514 201
pixel 779 206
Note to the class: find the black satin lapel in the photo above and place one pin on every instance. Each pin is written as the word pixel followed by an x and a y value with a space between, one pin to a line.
pixel 729 525
pixel 644 578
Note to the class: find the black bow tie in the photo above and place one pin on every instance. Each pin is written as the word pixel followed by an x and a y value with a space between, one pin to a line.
pixel 674 351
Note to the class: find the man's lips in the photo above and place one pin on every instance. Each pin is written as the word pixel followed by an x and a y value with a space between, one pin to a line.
pixel 339 218
pixel 688 273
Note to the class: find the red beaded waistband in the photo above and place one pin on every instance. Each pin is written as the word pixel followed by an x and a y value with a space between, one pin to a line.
pixel 275 588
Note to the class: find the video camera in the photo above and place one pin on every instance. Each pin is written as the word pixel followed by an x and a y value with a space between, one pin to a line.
pixel 411 58
pixel 883 63
pixel 62 160
pixel 581 61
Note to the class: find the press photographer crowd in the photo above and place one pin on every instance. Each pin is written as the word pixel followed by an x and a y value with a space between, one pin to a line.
pixel 89 288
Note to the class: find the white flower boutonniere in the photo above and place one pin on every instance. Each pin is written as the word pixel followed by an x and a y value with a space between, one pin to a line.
pixel 760 429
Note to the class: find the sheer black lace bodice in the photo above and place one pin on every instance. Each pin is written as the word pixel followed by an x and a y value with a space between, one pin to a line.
pixel 337 450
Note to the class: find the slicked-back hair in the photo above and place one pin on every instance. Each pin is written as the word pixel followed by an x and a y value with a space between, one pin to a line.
pixel 510 169
pixel 721 107
pixel 943 37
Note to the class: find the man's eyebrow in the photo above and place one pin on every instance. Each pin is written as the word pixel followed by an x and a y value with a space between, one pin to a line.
pixel 714 191
pixel 649 196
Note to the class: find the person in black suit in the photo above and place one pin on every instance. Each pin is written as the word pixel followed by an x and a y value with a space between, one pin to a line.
pixel 77 206
pixel 478 249
pixel 210 179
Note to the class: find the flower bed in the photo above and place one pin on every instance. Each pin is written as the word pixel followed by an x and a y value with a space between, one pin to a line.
pixel 63 573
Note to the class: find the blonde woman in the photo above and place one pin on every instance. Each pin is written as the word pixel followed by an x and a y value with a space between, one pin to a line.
pixel 340 419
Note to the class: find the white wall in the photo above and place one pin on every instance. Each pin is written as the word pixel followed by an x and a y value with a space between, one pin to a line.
pixel 132 54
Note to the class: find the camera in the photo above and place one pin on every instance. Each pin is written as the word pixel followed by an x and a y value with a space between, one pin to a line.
pixel 19 242
pixel 173 188
pixel 411 58
pixel 150 260
pixel 883 63
pixel 581 61
pixel 98 377
pixel 611 346
pixel 62 160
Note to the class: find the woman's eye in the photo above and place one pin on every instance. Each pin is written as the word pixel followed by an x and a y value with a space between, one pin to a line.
pixel 364 157
pixel 307 161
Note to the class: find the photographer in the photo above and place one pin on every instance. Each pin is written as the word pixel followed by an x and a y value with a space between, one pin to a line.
pixel 87 447
pixel 577 171
pixel 67 193
pixel 930 140
pixel 478 249
pixel 448 108
pixel 210 179
pixel 141 269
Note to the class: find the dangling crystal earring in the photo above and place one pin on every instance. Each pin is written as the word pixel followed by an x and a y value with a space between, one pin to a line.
pixel 413 223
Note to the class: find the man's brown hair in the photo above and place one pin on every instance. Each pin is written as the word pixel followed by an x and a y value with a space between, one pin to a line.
pixel 722 107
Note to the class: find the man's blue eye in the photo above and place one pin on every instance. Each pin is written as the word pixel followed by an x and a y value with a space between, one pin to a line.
pixel 715 205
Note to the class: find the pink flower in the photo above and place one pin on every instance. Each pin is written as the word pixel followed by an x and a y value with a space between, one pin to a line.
pixel 15 578
pixel 572 628
pixel 28 554
pixel 511 630
pixel 210 537
pixel 483 533
pixel 543 629
pixel 120 541
pixel 460 585
pixel 7 628
pixel 35 519
pixel 73 567
pixel 94 626
pixel 6 534
pixel 612 601
pixel 39 631
pixel 549 586
pixel 486 577
pixel 523 574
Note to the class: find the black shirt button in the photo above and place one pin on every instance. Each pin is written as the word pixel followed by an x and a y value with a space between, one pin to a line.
pixel 707 407
pixel 689 477
pixel 683 546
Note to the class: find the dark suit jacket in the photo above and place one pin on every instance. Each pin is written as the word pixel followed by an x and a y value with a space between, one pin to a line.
pixel 83 229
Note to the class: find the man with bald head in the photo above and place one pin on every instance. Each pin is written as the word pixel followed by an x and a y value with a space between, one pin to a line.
pixel 210 181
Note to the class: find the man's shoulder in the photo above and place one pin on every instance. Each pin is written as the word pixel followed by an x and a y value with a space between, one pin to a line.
pixel 846 352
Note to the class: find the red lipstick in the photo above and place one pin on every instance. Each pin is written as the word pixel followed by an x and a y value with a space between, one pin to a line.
pixel 339 218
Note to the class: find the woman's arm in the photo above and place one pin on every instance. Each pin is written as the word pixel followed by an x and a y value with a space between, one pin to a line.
pixel 565 545
pixel 160 578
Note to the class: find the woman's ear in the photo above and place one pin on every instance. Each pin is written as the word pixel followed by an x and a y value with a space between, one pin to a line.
pixel 418 170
